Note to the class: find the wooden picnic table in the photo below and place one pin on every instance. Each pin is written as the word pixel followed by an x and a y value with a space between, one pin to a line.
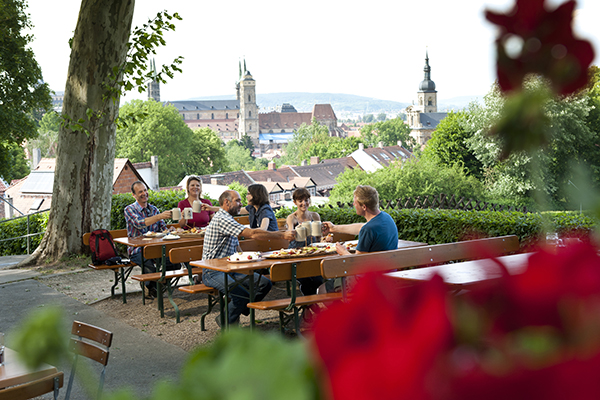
pixel 248 268
pixel 142 241
pixel 13 372
pixel 463 274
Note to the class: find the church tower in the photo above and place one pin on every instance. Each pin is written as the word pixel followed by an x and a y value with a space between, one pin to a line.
pixel 427 95
pixel 248 122
pixel 154 86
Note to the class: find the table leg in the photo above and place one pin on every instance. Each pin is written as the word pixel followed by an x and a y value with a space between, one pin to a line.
pixel 251 293
pixel 159 284
pixel 225 318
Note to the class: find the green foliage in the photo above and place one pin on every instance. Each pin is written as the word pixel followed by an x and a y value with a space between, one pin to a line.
pixel 18 227
pixel 23 90
pixel 409 179
pixel 136 72
pixel 297 149
pixel 41 338
pixel 542 174
pixel 280 370
pixel 239 157
pixel 381 117
pixel 163 133
pixel 332 147
pixel 13 163
pixel 241 189
pixel 447 145
pixel 47 139
pixel 368 118
pixel 388 132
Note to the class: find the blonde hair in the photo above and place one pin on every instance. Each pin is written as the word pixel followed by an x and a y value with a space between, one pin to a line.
pixel 367 196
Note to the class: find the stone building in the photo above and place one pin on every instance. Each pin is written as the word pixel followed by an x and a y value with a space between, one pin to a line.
pixel 423 117
pixel 232 119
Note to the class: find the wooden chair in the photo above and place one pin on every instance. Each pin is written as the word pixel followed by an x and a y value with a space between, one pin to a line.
pixel 90 342
pixel 50 383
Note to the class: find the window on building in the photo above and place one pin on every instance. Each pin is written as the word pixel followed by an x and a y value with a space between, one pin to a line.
pixel 249 98
pixel 226 115
pixel 249 114
pixel 283 131
pixel 375 157
pixel 197 116
pixel 212 116
pixel 385 157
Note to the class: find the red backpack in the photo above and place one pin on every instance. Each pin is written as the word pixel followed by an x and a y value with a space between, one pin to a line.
pixel 102 246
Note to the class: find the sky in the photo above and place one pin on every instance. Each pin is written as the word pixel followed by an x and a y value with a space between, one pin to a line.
pixel 374 49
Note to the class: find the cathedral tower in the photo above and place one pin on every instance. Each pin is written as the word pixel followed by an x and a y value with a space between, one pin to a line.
pixel 154 86
pixel 248 122
pixel 427 95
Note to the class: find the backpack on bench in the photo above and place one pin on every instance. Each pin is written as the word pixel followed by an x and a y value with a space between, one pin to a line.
pixel 103 248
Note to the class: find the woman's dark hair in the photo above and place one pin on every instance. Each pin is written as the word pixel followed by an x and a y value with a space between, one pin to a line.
pixel 300 194
pixel 259 193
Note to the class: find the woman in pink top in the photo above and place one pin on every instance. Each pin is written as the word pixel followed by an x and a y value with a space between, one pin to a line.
pixel 194 191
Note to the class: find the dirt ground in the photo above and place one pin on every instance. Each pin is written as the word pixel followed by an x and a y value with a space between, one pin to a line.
pixel 93 288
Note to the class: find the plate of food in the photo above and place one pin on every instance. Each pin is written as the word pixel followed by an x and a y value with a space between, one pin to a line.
pixel 170 236
pixel 244 257
pixel 154 234
pixel 306 251
pixel 193 232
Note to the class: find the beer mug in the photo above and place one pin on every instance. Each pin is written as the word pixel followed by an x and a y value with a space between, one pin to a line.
pixel 197 206
pixel 176 214
pixel 188 213
pixel 316 228
pixel 301 233
pixel 306 224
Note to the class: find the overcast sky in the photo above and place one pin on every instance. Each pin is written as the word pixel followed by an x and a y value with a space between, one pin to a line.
pixel 374 48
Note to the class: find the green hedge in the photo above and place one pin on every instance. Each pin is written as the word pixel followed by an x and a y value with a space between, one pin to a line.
pixel 422 225
pixel 18 227
pixel 445 226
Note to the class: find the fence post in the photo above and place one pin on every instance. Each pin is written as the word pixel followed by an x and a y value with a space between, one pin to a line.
pixel 28 237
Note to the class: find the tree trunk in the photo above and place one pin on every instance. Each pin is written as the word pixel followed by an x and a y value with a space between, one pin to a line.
pixel 82 192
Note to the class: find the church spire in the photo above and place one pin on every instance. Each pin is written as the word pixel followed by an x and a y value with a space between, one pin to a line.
pixel 427 68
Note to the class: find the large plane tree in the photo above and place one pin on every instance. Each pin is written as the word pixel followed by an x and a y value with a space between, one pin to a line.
pixel 104 63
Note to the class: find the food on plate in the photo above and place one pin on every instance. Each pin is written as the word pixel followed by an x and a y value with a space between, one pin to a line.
pixel 170 236
pixel 328 238
pixel 303 251
pixel 244 256
pixel 188 232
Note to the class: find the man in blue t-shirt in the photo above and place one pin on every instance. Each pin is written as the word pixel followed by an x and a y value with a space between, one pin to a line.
pixel 379 233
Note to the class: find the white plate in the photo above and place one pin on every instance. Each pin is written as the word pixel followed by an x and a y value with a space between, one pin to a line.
pixel 154 234
pixel 255 257
pixel 171 237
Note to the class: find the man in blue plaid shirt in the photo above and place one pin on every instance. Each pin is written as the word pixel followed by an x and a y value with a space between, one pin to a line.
pixel 221 240
pixel 142 217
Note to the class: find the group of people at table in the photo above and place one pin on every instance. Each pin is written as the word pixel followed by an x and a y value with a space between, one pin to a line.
pixel 379 233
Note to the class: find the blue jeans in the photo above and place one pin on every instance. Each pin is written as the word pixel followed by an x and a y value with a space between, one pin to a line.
pixel 239 294
pixel 150 267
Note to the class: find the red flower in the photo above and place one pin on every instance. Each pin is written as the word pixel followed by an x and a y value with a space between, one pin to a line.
pixel 548 46
pixel 384 341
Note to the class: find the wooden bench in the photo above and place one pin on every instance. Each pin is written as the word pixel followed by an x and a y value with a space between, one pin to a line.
pixel 121 271
pixel 345 266
pixel 185 255
pixel 291 271
pixel 243 219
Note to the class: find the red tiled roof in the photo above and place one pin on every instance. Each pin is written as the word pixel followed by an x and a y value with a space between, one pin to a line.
pixel 275 120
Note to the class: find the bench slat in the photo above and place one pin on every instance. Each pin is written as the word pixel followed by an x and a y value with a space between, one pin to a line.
pixel 154 276
pixel 281 304
pixel 200 288
pixel 341 266
pixel 113 267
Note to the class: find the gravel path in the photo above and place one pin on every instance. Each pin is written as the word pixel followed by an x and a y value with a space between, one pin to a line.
pixel 93 288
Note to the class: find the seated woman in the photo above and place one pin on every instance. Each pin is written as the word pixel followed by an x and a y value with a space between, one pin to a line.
pixel 301 198
pixel 261 214
pixel 194 191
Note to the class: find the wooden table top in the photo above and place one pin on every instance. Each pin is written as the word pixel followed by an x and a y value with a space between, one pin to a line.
pixel 13 372
pixel 222 265
pixel 142 241
pixel 468 272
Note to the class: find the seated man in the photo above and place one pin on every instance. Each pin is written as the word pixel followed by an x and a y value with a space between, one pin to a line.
pixel 379 233
pixel 142 217
pixel 221 240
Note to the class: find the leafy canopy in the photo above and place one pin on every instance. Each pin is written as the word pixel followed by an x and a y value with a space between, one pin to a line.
pixel 389 132
pixel 163 133
pixel 22 88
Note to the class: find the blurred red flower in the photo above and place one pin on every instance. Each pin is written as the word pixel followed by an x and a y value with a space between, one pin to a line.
pixel 383 340
pixel 535 40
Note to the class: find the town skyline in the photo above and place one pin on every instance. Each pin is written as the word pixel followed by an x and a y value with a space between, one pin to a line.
pixel 321 47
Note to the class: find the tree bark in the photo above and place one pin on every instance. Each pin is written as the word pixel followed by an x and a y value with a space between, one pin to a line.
pixel 82 192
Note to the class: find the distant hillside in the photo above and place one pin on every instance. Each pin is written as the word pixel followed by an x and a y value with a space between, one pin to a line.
pixel 342 103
